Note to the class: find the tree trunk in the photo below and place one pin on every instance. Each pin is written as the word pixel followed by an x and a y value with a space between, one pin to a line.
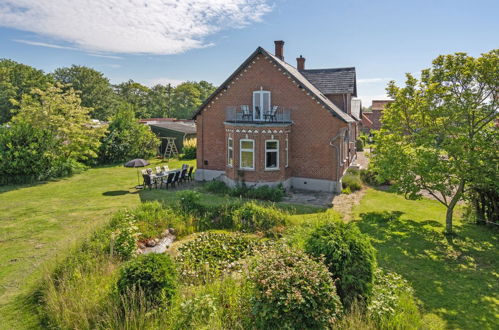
pixel 450 208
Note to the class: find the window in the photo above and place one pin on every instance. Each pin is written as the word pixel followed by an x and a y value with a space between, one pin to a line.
pixel 230 152
pixel 247 154
pixel 271 154
pixel 261 104
pixel 287 152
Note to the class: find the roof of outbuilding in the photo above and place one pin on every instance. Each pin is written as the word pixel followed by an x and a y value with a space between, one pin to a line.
pixel 333 81
pixel 187 127
pixel 303 82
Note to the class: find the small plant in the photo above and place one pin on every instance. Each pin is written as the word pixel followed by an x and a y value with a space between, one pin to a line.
pixel 189 202
pixel 252 217
pixel 359 145
pixel 349 256
pixel 216 187
pixel 371 178
pixel 189 149
pixel 292 291
pixel 210 254
pixel 351 181
pixel 154 274
pixel 346 191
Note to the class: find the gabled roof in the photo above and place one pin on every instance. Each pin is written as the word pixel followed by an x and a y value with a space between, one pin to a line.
pixel 333 81
pixel 294 73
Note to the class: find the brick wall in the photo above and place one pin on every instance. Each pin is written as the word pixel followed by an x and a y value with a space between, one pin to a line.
pixel 310 154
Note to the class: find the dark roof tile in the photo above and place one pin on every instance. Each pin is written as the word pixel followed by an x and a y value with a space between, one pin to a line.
pixel 333 81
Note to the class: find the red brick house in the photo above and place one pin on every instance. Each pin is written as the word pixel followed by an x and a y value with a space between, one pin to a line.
pixel 372 120
pixel 272 123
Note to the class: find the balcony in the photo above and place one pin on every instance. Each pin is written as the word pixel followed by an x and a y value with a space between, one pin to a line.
pixel 246 115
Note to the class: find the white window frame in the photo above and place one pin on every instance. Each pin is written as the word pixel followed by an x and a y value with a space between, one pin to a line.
pixel 272 150
pixel 260 104
pixel 287 152
pixel 241 150
pixel 230 160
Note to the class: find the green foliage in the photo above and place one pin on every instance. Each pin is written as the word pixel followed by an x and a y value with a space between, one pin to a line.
pixel 371 177
pixel 349 256
pixel 274 194
pixel 154 274
pixel 124 237
pixel 188 96
pixel 189 150
pixel 359 144
pixel 17 80
pixel 127 139
pixel 189 201
pixel 94 89
pixel 210 254
pixel 292 291
pixel 252 217
pixel 135 95
pixel 351 181
pixel 346 191
pixel 439 133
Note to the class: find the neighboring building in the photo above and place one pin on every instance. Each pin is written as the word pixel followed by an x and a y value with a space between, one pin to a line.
pixel 372 120
pixel 270 123
pixel 179 129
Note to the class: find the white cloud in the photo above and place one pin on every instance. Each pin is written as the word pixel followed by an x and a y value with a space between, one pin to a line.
pixel 134 26
pixel 42 44
pixel 372 80
pixel 105 56
pixel 164 81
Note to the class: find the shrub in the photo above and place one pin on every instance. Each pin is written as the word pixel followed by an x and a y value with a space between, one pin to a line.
pixel 154 274
pixel 216 187
pixel 210 254
pixel 252 217
pixel 274 194
pixel 124 239
pixel 292 291
pixel 189 149
pixel 189 202
pixel 359 145
pixel 349 256
pixel 346 191
pixel 371 178
pixel 351 181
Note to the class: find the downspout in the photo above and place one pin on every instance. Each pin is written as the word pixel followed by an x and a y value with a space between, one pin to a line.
pixel 332 144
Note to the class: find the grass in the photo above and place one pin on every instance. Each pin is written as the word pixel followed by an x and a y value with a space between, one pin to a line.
pixel 39 222
pixel 455 278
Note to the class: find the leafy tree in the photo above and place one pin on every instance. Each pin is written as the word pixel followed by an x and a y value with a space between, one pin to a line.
pixel 61 114
pixel 135 94
pixel 158 101
pixel 96 91
pixel 439 133
pixel 127 139
pixel 16 80
pixel 188 96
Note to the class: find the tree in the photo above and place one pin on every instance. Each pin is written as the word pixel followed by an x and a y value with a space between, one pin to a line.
pixel 185 100
pixel 127 139
pixel 135 94
pixel 439 131
pixel 158 101
pixel 16 80
pixel 61 114
pixel 96 91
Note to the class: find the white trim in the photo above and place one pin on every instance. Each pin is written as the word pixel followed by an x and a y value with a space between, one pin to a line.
pixel 241 150
pixel 272 150
pixel 287 152
pixel 261 93
pixel 230 161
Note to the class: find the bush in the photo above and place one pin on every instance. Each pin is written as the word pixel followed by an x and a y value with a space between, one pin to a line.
pixel 154 274
pixel 346 191
pixel 216 187
pixel 124 239
pixel 351 181
pixel 371 178
pixel 189 202
pixel 274 194
pixel 252 217
pixel 210 254
pixel 349 256
pixel 189 149
pixel 293 291
pixel 359 145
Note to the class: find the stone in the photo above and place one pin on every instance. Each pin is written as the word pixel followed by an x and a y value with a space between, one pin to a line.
pixel 151 243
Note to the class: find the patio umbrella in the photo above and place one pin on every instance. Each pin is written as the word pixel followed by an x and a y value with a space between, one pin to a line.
pixel 137 163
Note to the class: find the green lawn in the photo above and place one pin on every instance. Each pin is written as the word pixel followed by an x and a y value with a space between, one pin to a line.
pixel 457 279
pixel 39 222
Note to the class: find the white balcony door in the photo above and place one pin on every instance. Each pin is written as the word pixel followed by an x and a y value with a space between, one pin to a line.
pixel 261 104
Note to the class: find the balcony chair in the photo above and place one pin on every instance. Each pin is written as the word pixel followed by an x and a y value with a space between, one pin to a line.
pixel 272 115
pixel 246 112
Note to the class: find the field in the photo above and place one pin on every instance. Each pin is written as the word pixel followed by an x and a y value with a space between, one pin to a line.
pixel 456 279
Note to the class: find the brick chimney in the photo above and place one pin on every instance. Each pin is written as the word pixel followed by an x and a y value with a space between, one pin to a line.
pixel 279 49
pixel 300 63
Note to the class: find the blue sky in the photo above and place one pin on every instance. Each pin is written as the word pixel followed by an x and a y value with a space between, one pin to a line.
pixel 153 41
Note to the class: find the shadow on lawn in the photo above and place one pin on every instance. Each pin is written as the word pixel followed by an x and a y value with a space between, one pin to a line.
pixel 115 193
pixel 457 281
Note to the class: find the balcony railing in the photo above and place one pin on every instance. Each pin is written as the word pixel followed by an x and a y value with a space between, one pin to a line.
pixel 238 114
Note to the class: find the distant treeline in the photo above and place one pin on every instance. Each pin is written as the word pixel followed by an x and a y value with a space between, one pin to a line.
pixel 97 93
